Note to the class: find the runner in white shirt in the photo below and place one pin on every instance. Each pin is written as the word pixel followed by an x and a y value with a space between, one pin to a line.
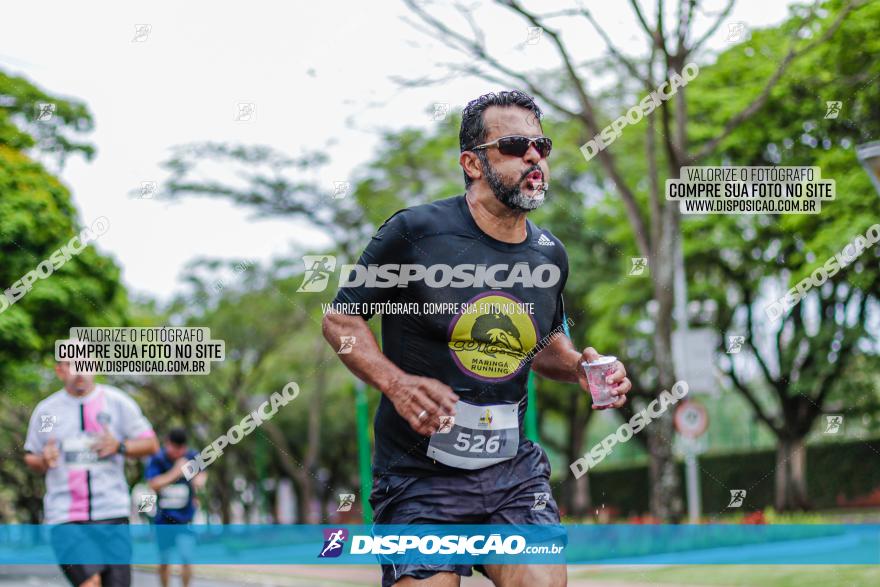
pixel 79 437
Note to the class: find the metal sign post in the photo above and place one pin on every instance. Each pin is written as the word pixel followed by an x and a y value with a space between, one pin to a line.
pixel 691 422
pixel 694 495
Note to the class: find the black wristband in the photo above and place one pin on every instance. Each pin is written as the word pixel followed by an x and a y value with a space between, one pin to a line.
pixel 121 450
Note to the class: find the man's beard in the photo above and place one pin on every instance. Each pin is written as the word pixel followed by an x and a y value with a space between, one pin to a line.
pixel 510 194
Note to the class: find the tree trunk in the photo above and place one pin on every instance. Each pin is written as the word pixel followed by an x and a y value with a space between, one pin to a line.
pixel 305 494
pixel 223 485
pixel 791 475
pixel 665 501
pixel 303 474
pixel 305 478
pixel 581 502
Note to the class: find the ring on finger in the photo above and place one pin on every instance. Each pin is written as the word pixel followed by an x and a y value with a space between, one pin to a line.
pixel 423 415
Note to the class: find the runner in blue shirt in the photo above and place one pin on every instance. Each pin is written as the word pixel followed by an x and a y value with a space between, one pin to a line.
pixel 176 500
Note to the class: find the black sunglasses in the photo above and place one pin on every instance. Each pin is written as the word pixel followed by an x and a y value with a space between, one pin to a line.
pixel 518 145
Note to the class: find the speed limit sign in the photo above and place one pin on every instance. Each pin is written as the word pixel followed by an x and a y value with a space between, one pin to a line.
pixel 691 419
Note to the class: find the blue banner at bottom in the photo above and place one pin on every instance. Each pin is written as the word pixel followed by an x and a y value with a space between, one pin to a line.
pixel 439 544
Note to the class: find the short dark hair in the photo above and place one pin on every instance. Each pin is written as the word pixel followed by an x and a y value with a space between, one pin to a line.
pixel 473 132
pixel 177 436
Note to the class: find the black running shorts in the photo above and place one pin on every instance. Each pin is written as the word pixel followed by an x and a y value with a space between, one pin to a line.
pixel 499 494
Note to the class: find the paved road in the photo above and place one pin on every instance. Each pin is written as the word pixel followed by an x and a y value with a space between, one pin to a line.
pixel 51 577
pixel 262 576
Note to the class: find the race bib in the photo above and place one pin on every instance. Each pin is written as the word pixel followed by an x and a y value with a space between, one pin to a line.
pixel 174 496
pixel 78 453
pixel 480 436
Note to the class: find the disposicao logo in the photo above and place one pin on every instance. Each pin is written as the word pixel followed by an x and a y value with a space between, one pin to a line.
pixel 333 542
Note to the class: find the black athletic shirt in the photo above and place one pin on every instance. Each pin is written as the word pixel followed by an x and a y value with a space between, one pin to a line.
pixel 482 353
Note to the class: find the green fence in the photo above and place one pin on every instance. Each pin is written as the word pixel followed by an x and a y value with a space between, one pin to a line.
pixel 844 470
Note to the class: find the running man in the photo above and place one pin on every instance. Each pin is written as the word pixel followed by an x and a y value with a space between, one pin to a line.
pixel 177 501
pixel 78 437
pixel 506 274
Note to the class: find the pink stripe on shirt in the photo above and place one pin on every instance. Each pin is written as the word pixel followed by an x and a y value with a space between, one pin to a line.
pixel 78 483
pixel 91 409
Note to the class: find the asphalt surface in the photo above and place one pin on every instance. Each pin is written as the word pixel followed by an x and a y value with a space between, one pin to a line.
pixel 266 576
pixel 44 576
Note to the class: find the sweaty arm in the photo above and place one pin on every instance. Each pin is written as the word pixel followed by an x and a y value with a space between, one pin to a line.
pixel 559 360
pixel 157 480
pixel 160 481
pixel 367 361
pixel 137 434
pixel 421 401
pixel 35 462
pixel 141 447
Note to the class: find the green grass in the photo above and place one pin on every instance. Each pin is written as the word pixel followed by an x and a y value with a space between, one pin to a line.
pixel 742 575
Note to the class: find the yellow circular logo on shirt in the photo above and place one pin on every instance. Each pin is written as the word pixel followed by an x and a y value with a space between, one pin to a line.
pixel 491 337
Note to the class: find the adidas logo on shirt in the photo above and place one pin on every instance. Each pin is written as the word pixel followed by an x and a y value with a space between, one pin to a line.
pixel 543 240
